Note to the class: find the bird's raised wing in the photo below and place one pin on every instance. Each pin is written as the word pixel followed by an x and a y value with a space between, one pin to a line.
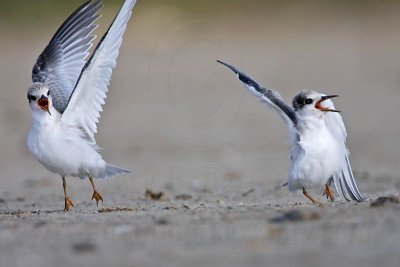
pixel 344 180
pixel 271 97
pixel 84 106
pixel 61 62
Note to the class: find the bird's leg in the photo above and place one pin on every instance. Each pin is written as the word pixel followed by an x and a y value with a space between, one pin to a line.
pixel 68 201
pixel 96 195
pixel 328 192
pixel 310 197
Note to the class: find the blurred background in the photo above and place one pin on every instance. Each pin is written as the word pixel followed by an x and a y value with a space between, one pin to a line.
pixel 186 126
pixel 179 120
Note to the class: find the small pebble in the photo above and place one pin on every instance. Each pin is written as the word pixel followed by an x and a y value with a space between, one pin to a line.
pixel 381 201
pixel 84 247
pixel 296 216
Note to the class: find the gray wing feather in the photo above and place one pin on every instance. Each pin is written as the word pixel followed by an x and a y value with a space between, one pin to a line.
pixel 89 94
pixel 61 62
pixel 344 180
pixel 271 97
pixel 351 181
pixel 345 184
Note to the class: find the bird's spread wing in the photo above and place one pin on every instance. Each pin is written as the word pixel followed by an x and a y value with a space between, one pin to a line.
pixel 271 97
pixel 344 180
pixel 61 62
pixel 84 106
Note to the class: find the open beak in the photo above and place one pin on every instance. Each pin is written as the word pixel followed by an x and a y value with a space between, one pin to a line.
pixel 323 98
pixel 43 103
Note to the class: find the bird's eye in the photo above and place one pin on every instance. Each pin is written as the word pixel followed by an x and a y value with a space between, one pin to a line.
pixel 31 98
pixel 308 101
pixel 48 93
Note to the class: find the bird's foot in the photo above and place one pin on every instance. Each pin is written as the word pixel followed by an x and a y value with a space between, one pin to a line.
pixel 313 200
pixel 328 193
pixel 96 195
pixel 317 203
pixel 68 204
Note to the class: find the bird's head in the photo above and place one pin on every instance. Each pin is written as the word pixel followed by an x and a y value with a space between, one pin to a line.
pixel 308 101
pixel 39 97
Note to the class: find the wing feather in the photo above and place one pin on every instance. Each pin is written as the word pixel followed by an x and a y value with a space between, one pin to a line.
pixel 344 180
pixel 271 97
pixel 61 62
pixel 84 106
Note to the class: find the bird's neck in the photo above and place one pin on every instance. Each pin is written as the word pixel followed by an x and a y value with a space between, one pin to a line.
pixel 309 122
pixel 43 119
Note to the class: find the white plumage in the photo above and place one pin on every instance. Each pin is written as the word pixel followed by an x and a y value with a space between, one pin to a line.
pixel 85 105
pixel 68 92
pixel 318 136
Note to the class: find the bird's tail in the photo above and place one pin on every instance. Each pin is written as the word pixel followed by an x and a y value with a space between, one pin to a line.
pixel 112 171
pixel 346 185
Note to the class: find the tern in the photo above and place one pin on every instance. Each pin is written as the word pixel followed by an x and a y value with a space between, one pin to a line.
pixel 67 94
pixel 319 154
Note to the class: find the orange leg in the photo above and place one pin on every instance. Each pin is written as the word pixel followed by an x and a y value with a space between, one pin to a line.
pixel 310 197
pixel 328 193
pixel 96 195
pixel 68 202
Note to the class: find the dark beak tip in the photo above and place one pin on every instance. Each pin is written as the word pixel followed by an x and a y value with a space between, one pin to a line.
pixel 326 97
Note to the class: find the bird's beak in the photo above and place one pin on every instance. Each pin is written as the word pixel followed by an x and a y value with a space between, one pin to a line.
pixel 43 103
pixel 323 98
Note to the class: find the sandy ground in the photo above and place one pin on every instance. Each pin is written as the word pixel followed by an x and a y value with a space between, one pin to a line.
pixel 187 128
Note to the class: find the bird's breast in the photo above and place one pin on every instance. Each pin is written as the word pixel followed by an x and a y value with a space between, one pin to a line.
pixel 316 157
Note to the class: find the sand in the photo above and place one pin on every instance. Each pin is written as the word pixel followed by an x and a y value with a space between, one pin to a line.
pixel 187 128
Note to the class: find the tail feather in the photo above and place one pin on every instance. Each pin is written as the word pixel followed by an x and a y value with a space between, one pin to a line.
pixel 346 185
pixel 112 171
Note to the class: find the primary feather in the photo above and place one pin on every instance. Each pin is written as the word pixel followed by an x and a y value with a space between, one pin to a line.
pixel 85 103
pixel 61 62
pixel 269 96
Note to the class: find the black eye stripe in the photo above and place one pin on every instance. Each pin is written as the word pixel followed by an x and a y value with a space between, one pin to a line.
pixel 302 101
pixel 31 97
